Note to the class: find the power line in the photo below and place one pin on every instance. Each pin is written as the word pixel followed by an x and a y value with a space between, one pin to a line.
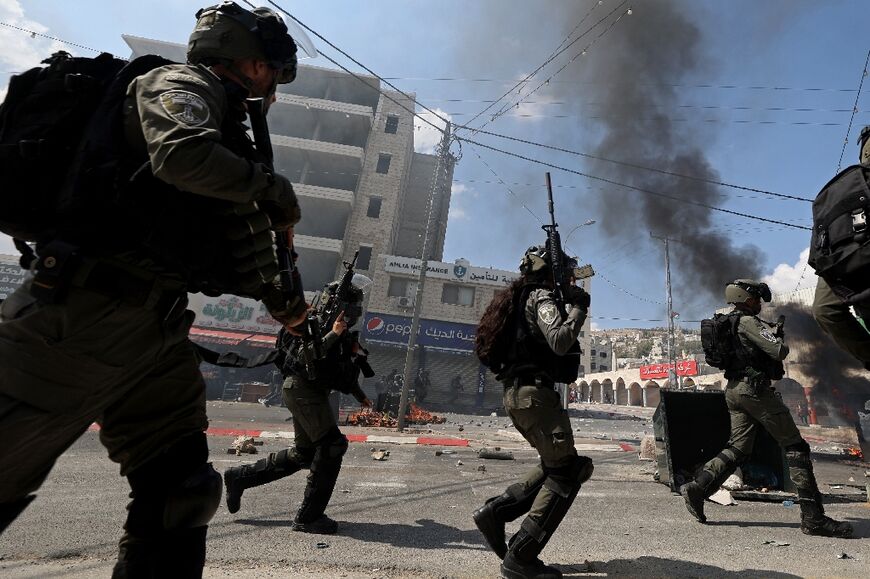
pixel 643 167
pixel 564 66
pixel 367 69
pixel 854 111
pixel 34 34
pixel 552 56
pixel 633 187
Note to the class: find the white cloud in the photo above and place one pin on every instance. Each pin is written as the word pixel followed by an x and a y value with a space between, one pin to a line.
pixel 458 193
pixel 594 326
pixel 786 278
pixel 426 137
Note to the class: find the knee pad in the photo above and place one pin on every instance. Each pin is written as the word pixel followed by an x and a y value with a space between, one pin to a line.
pixel 194 502
pixel 798 459
pixel 566 480
pixel 292 459
pixel 333 446
pixel 731 454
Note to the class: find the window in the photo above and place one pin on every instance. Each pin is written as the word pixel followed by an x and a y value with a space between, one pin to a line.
pixel 374 209
pixel 602 368
pixel 582 334
pixel 363 260
pixel 582 370
pixel 594 352
pixel 602 354
pixel 392 125
pixel 383 163
pixel 400 286
pixel 592 365
pixel 457 295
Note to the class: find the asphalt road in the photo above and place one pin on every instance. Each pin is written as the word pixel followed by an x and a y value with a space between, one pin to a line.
pixel 409 516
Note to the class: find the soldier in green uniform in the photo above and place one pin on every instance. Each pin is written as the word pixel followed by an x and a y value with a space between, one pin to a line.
pixel 753 403
pixel 318 443
pixel 832 313
pixel 530 340
pixel 99 333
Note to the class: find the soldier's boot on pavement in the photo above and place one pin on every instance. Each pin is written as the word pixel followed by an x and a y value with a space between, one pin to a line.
pixel 814 522
pixel 695 492
pixel 310 517
pixel 813 519
pixel 10 511
pixel 555 497
pixel 509 506
pixel 275 466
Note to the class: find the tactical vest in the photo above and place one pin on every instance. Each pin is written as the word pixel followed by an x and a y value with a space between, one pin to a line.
pixel 531 354
pixel 750 357
pixel 179 233
pixel 336 370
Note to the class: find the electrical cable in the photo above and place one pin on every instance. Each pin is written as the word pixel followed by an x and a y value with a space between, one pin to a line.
pixel 552 56
pixel 633 187
pixel 33 33
pixel 854 111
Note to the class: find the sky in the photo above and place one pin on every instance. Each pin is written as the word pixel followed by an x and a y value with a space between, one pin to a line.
pixel 755 93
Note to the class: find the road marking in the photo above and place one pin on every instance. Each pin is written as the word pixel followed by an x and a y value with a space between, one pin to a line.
pixel 384 485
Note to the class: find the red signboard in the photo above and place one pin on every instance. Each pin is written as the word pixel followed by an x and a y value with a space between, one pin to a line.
pixel 684 368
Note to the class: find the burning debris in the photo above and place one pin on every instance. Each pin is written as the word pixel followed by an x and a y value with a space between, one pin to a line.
pixel 415 415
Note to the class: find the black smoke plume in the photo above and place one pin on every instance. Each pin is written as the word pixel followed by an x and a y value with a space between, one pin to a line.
pixel 840 385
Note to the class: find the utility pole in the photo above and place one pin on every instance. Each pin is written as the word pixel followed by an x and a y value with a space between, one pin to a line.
pixel 438 183
pixel 673 378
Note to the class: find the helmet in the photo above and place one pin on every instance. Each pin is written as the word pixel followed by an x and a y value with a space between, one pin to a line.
pixel 740 290
pixel 864 146
pixel 227 32
pixel 353 309
pixel 536 262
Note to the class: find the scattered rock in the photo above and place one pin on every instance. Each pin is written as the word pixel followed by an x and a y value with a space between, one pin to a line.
pixel 459 463
pixel 774 543
pixel 722 497
pixel 461 428
pixel 492 454
pixel 243 444
pixel 380 454
pixel 481 468
pixel 647 448
pixel 322 545
pixel 844 556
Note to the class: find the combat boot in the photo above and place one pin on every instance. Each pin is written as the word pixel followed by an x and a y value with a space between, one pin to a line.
pixel 515 502
pixel 814 522
pixel 276 466
pixel 694 495
pixel 322 525
pixel 514 568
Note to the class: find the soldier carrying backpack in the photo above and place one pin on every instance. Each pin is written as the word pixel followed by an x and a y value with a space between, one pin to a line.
pixel 840 254
pixel 751 352
pixel 149 189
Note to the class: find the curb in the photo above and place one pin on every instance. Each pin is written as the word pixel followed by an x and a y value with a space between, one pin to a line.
pixel 350 437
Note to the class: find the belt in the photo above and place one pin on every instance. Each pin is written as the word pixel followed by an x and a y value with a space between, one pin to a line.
pixel 152 293
pixel 529 380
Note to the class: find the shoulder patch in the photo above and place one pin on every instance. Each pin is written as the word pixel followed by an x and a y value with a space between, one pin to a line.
pixel 767 335
pixel 185 107
pixel 547 313
pixel 185 78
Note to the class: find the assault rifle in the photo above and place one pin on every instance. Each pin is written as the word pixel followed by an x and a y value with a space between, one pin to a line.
pixel 291 280
pixel 341 300
pixel 554 246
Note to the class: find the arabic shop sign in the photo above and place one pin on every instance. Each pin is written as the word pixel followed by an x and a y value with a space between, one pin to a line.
pixel 11 275
pixel 450 271
pixel 232 313
pixel 431 333
pixel 684 368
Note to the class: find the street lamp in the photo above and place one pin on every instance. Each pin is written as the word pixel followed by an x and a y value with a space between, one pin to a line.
pixel 585 223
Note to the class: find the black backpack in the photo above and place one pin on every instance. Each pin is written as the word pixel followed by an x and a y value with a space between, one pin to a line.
pixel 839 249
pixel 46 122
pixel 719 340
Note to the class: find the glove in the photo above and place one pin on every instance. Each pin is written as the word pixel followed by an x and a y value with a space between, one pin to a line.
pixel 577 296
pixel 286 311
pixel 280 203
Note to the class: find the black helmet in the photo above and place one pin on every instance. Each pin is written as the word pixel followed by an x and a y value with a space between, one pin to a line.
pixel 353 310
pixel 227 32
